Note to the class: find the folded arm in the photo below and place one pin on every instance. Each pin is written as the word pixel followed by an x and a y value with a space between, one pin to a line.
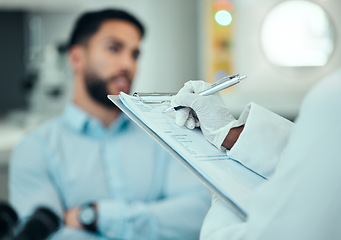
pixel 31 185
pixel 177 215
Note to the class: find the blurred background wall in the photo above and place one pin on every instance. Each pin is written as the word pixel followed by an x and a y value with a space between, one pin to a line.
pixel 275 43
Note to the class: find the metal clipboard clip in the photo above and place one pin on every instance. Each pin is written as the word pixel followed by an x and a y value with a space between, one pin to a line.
pixel 154 94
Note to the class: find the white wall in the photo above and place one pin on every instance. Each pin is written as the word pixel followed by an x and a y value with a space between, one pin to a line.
pixel 280 89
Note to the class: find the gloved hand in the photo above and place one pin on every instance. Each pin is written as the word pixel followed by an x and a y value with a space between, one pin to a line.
pixel 208 112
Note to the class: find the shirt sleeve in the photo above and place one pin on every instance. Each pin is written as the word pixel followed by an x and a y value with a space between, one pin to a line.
pixel 31 186
pixel 302 199
pixel 67 233
pixel 177 215
pixel 263 129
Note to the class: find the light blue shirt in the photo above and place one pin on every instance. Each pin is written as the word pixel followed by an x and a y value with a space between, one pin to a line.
pixel 141 191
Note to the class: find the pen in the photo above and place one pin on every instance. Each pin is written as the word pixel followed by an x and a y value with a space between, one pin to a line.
pixel 223 83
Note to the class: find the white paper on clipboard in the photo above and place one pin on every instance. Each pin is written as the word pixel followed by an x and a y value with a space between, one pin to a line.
pixel 225 176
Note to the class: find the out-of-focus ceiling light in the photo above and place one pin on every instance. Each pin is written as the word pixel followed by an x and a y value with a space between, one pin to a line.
pixel 297 33
pixel 223 17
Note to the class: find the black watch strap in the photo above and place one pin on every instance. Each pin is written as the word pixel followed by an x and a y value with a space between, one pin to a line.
pixel 88 217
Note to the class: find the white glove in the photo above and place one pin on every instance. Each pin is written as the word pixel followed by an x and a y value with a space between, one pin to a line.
pixel 210 112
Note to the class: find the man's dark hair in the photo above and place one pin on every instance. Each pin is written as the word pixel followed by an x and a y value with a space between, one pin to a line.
pixel 89 23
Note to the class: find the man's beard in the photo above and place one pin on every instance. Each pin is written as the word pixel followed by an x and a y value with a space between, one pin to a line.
pixel 97 88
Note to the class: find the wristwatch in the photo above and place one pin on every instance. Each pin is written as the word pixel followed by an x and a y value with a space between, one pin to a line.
pixel 88 217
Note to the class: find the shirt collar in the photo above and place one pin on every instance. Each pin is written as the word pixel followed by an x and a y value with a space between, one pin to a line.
pixel 81 121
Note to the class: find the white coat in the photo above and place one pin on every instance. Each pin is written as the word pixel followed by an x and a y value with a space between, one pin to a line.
pixel 302 199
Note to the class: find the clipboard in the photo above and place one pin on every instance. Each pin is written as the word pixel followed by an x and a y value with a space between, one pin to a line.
pixel 226 177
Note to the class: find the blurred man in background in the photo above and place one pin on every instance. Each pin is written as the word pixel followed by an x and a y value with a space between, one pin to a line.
pixel 96 169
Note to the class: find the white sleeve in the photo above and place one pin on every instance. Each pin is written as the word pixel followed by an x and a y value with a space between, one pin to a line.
pixel 302 199
pixel 262 141
pixel 221 221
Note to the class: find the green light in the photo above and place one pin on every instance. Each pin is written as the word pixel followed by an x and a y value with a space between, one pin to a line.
pixel 223 18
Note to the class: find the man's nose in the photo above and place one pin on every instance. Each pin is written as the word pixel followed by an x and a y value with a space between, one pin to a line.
pixel 127 61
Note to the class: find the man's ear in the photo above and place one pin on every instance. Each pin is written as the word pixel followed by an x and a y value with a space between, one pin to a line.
pixel 76 57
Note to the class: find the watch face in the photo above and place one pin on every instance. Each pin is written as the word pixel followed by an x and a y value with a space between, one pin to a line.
pixel 87 215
